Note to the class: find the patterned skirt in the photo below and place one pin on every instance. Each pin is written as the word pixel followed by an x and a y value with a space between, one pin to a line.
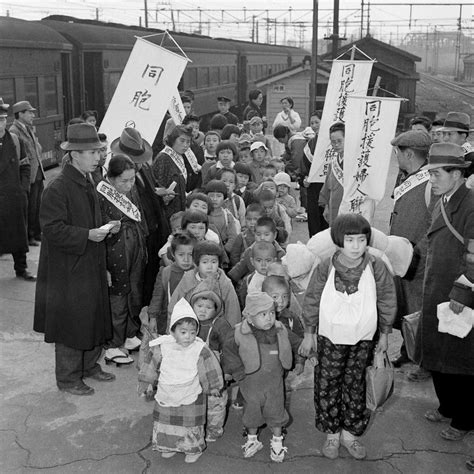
pixel 180 428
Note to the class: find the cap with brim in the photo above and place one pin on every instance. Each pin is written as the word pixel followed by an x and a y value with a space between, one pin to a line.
pixel 257 145
pixel 457 122
pixel 22 106
pixel 222 98
pixel 133 145
pixel 282 178
pixel 446 154
pixel 80 137
pixel 416 139
pixel 257 302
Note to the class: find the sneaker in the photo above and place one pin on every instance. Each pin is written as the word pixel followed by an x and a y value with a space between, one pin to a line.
pixel 251 447
pixel 355 448
pixel 212 437
pixel 277 450
pixel 331 448
pixel 190 458
pixel 132 343
pixel 115 356
pixel 168 454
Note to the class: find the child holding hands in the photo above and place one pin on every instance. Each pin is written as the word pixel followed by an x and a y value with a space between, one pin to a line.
pixel 350 297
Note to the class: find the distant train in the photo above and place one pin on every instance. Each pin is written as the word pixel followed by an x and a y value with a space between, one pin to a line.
pixel 65 65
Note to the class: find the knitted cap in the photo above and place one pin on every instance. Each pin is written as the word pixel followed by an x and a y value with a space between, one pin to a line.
pixel 209 289
pixel 257 302
pixel 182 309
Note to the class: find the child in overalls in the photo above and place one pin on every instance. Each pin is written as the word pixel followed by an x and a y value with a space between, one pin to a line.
pixel 256 354
pixel 350 298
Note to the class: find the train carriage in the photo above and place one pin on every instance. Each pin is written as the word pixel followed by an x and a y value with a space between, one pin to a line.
pixel 32 58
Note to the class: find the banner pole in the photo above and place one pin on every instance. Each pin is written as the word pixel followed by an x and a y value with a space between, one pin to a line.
pixel 377 86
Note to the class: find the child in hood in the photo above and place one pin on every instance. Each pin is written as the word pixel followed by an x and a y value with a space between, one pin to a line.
pixel 186 370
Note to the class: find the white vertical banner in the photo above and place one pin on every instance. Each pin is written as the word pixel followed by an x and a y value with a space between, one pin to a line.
pixel 347 77
pixel 176 108
pixel 144 91
pixel 367 152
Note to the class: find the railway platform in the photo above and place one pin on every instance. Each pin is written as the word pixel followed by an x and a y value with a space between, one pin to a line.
pixel 46 431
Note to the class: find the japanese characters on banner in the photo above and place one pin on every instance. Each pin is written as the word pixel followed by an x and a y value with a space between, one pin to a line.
pixel 367 152
pixel 176 108
pixel 145 90
pixel 347 77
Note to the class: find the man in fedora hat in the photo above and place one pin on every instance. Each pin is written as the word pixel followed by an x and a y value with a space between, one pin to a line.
pixel 411 217
pixel 72 300
pixel 456 129
pixel 14 185
pixel 449 277
pixel 139 151
pixel 23 128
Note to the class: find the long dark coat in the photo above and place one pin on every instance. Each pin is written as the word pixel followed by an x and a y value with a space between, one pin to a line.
pixel 445 262
pixel 14 183
pixel 411 218
pixel 72 301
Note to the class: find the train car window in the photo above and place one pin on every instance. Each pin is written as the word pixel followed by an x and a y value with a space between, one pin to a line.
pixel 51 95
pixel 111 81
pixel 31 92
pixel 190 78
pixel 224 75
pixel 214 73
pixel 7 90
pixel 203 77
pixel 233 70
pixel 321 89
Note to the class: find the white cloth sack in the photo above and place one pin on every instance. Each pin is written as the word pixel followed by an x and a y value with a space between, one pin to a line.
pixel 458 325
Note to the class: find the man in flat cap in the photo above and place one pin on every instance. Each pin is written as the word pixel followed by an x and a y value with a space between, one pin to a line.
pixel 223 104
pixel 14 185
pixel 411 217
pixel 449 277
pixel 23 128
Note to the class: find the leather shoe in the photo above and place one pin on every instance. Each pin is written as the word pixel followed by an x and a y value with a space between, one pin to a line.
pixel 102 376
pixel 33 243
pixel 26 275
pixel 401 360
pixel 78 390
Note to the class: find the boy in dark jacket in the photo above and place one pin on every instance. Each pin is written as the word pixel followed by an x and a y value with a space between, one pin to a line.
pixel 256 355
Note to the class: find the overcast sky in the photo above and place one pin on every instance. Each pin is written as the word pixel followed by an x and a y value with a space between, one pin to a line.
pixel 386 21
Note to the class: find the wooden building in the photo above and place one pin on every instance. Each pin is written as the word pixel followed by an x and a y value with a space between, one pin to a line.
pixel 294 82
pixel 468 75
pixel 396 67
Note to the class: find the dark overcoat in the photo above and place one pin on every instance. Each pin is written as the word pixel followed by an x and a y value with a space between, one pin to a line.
pixel 411 218
pixel 72 302
pixel 14 185
pixel 445 262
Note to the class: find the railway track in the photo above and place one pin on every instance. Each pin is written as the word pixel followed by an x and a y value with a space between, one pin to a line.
pixel 448 84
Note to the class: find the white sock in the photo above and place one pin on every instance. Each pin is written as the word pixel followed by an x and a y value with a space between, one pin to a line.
pixel 252 437
pixel 333 436
pixel 348 436
pixel 278 439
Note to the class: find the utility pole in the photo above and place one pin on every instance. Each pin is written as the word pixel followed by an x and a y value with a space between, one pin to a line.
pixel 335 29
pixel 268 29
pixel 146 13
pixel 97 14
pixel 275 35
pixel 361 19
pixel 253 28
pixel 368 19
pixel 314 60
pixel 200 20
pixel 457 59
pixel 284 31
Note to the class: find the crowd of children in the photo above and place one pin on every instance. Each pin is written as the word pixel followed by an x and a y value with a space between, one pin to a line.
pixel 221 314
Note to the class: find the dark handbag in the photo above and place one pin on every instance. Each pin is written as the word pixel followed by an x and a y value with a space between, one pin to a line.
pixel 410 328
pixel 379 378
